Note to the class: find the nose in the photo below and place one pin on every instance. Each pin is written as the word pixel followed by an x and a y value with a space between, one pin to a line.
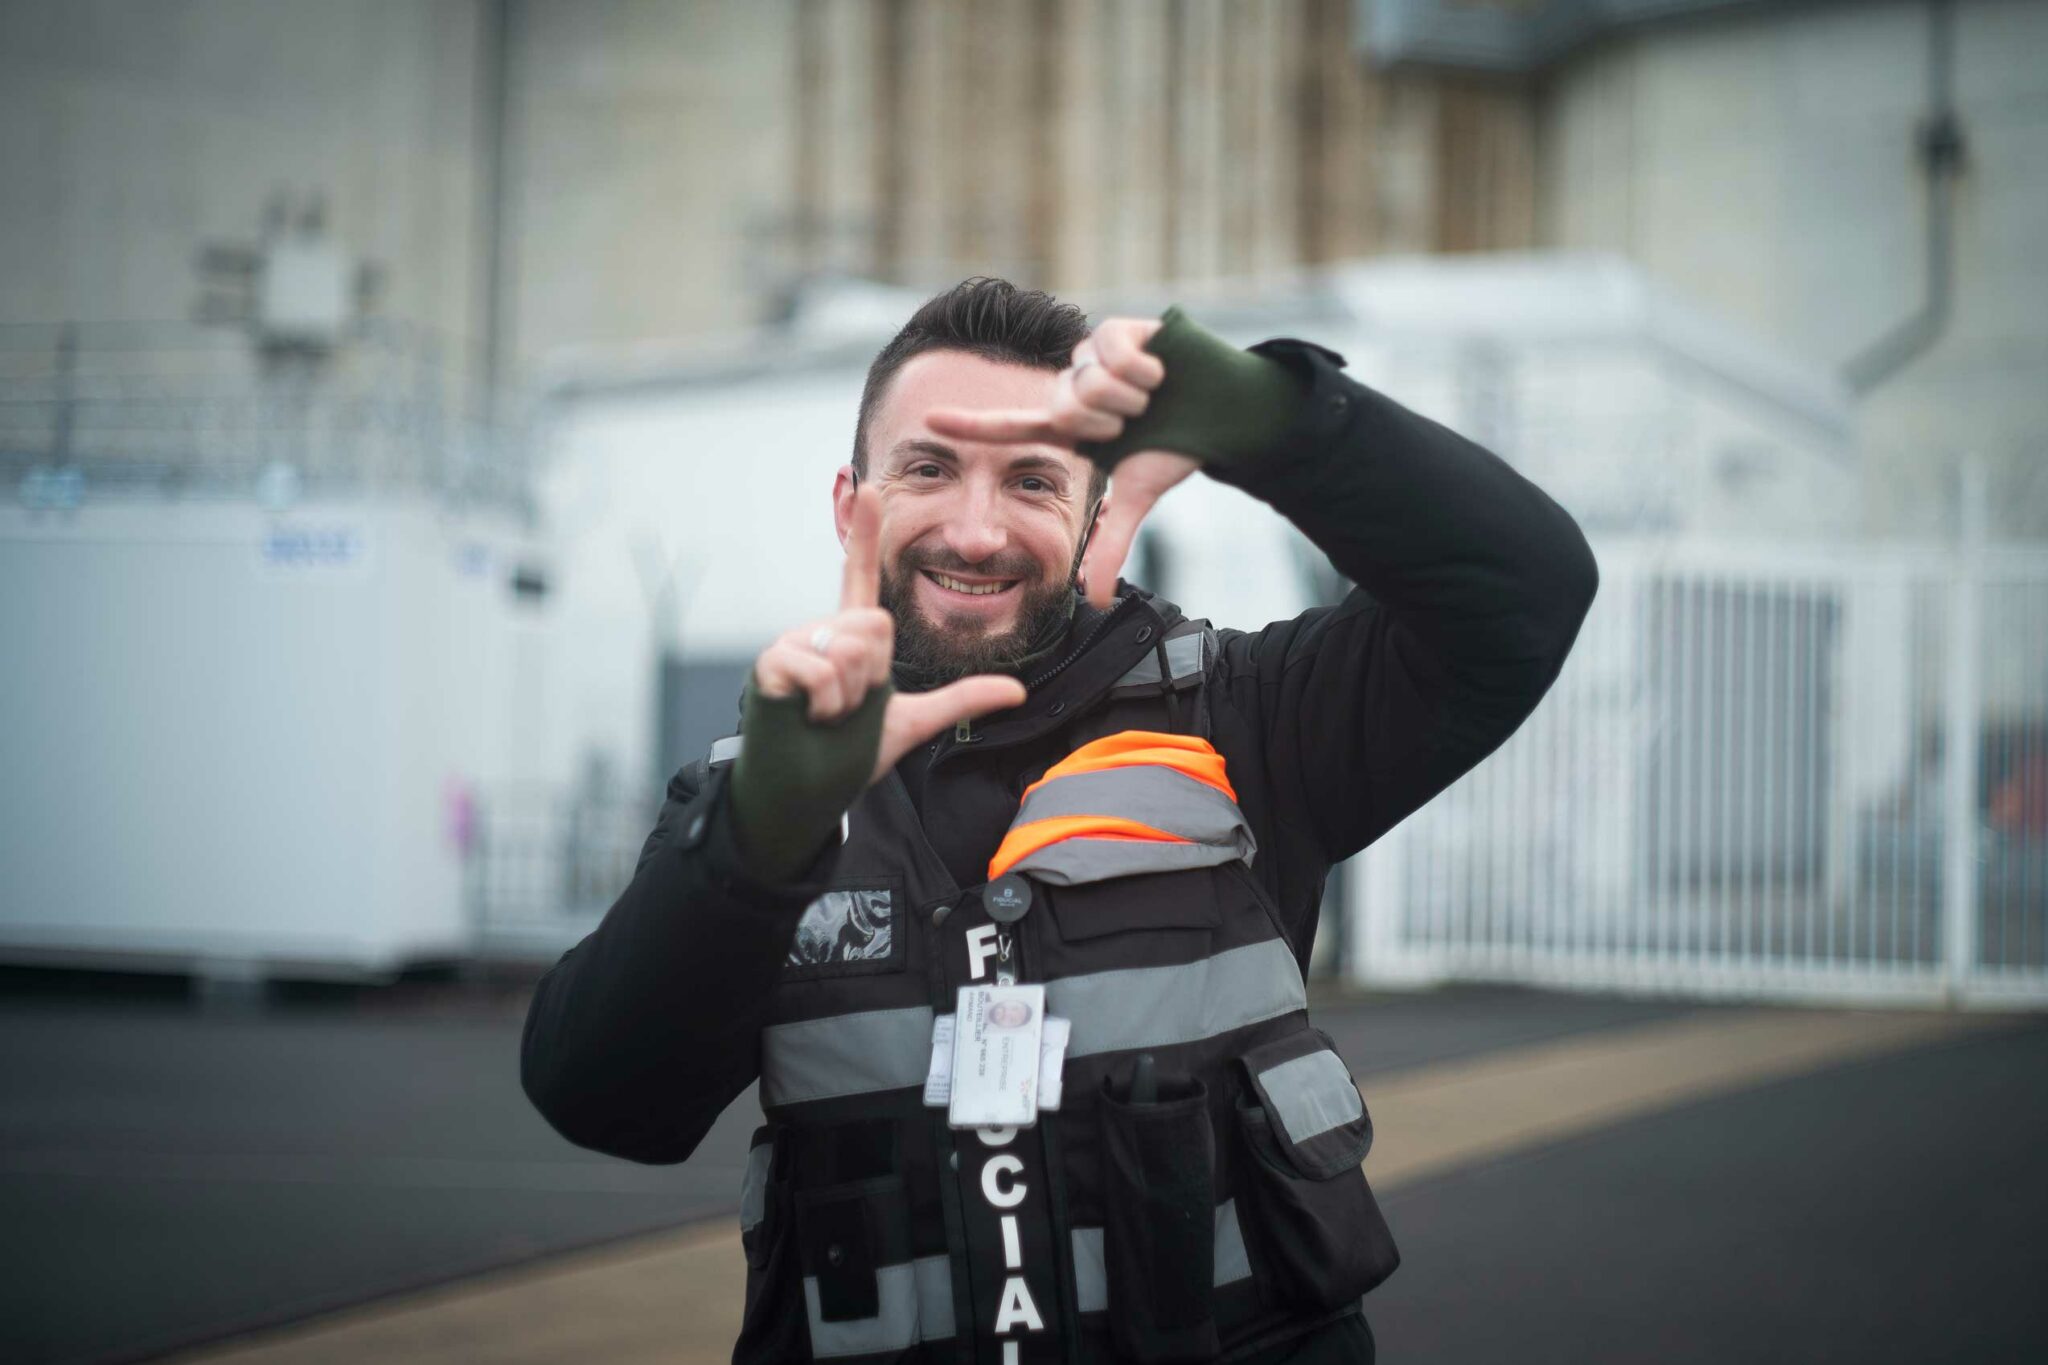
pixel 977 531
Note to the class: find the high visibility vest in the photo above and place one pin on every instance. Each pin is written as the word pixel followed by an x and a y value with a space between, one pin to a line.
pixel 1229 1212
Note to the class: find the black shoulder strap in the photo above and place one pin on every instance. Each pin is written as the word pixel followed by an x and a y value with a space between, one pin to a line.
pixel 1174 673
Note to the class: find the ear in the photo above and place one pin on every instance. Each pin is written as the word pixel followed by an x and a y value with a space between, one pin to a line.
pixel 843 488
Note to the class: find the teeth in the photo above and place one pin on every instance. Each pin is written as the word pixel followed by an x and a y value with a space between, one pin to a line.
pixel 974 589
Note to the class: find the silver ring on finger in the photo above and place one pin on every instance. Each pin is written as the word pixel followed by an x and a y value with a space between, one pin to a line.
pixel 821 639
pixel 1078 369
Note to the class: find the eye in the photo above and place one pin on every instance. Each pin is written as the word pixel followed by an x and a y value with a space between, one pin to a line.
pixel 1034 484
pixel 927 470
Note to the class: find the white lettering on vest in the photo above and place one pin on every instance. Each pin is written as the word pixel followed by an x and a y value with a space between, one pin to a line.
pixel 1017 1307
pixel 981 946
pixel 991 1190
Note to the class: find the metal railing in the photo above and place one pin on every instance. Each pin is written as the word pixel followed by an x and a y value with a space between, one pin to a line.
pixel 181 410
pixel 547 863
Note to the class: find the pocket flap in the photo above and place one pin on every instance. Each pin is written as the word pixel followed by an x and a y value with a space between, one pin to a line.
pixel 1164 900
pixel 846 1233
pixel 1316 1113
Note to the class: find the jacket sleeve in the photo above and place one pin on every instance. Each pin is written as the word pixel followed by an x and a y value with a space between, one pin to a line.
pixel 1471 587
pixel 645 1031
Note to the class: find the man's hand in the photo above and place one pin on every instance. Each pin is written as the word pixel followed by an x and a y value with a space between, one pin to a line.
pixel 1109 382
pixel 859 646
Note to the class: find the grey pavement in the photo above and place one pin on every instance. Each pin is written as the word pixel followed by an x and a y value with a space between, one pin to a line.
pixel 169 1176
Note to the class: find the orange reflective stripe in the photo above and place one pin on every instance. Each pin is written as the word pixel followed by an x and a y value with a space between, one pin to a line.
pixel 1025 840
pixel 1187 754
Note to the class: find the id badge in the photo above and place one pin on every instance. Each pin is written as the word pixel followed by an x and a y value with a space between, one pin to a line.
pixel 1052 1055
pixel 996 1035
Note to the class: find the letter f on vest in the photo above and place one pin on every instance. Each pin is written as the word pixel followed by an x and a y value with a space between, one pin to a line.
pixel 981 946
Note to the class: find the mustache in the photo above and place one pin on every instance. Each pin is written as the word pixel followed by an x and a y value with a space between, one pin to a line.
pixel 995 566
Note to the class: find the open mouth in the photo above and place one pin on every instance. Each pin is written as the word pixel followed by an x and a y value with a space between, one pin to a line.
pixel 967 587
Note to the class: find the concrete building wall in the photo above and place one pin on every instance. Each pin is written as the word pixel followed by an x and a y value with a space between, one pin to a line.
pixel 1764 162
pixel 131 134
pixel 1091 144
pixel 649 160
pixel 673 168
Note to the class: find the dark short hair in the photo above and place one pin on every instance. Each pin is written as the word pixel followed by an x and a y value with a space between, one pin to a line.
pixel 990 318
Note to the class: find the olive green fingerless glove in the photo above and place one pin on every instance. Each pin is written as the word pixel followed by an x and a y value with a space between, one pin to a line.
pixel 1217 403
pixel 793 779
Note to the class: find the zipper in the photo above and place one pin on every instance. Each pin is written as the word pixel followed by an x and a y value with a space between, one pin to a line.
pixel 963 731
pixel 1082 647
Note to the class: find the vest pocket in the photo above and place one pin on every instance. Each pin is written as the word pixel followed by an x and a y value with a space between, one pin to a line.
pixel 845 1235
pixel 863 1291
pixel 1313 1231
pixel 1158 1234
pixel 1184 899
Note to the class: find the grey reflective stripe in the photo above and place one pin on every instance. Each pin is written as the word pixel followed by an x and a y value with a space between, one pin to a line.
pixel 1150 793
pixel 1091 1277
pixel 1078 860
pixel 1091 1280
pixel 845 1054
pixel 916 1304
pixel 857 1054
pixel 1183 656
pixel 1311 1094
pixel 1161 1006
pixel 1232 1264
pixel 934 1276
pixel 725 750
pixel 754 1186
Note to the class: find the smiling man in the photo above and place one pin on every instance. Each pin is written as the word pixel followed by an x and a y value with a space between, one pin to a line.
pixel 1005 890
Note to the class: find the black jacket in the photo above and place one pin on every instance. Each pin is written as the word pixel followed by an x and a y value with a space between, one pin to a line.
pixel 1335 725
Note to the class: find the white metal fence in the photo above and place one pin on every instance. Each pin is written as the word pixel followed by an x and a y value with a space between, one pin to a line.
pixel 547 863
pixel 1762 772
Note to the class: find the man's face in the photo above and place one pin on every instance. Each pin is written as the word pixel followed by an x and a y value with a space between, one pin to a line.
pixel 979 542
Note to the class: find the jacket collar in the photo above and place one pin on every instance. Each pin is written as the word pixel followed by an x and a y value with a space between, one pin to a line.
pixel 1099 648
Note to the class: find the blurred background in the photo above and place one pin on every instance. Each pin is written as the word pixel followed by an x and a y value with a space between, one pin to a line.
pixel 415 415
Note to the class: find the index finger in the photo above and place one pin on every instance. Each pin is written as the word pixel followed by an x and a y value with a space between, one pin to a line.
pixel 862 584
pixel 1013 427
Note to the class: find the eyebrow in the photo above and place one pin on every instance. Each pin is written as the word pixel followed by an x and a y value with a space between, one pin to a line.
pixel 934 450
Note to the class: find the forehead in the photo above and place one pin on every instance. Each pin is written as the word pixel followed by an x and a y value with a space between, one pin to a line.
pixel 955 379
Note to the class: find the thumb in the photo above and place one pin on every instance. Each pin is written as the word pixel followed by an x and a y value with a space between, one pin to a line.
pixel 1111 545
pixel 914 717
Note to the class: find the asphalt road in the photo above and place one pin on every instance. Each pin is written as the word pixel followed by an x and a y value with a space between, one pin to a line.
pixel 169 1176
pixel 1890 1210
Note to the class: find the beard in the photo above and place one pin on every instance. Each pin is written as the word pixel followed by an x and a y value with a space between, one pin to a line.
pixel 933 653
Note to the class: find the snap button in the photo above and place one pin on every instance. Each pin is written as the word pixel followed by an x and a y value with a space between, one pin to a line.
pixel 696 830
pixel 1144 634
pixel 954 1161
pixel 1341 403
pixel 835 1255
pixel 1056 708
pixel 939 915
